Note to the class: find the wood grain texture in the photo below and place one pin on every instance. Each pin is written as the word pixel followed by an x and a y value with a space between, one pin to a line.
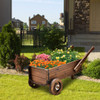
pixel 39 75
pixel 42 76
pixel 63 71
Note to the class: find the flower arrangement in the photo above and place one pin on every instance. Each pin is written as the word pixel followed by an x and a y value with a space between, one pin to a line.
pixel 58 57
pixel 43 57
pixel 46 64
pixel 67 56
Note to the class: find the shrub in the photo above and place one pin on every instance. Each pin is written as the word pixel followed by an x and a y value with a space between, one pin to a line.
pixel 21 62
pixel 65 56
pixel 33 57
pixel 46 51
pixel 93 69
pixel 51 37
pixel 9 44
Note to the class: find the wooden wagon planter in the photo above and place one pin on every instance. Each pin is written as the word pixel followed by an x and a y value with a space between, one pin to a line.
pixel 53 76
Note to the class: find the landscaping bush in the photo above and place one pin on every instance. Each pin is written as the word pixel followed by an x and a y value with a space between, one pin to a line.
pixel 9 44
pixel 21 62
pixel 93 69
pixel 33 57
pixel 51 37
pixel 65 55
pixel 46 51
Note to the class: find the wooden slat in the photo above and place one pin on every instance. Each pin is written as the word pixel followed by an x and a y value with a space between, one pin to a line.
pixel 39 80
pixel 64 67
pixel 70 70
pixel 39 74
pixel 63 71
pixel 64 75
pixel 38 70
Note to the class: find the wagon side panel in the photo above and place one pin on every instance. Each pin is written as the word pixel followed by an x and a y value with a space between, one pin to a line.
pixel 63 71
pixel 39 76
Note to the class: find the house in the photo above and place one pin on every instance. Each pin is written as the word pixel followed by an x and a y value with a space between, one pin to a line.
pixel 5 12
pixel 37 20
pixel 17 23
pixel 82 22
pixel 61 19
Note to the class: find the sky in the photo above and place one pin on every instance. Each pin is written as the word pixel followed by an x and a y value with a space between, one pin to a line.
pixel 23 9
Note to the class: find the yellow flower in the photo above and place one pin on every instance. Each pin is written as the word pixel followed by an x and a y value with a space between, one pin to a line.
pixel 57 58
pixel 58 50
pixel 61 50
pixel 63 56
pixel 68 52
pixel 68 48
pixel 70 55
pixel 65 61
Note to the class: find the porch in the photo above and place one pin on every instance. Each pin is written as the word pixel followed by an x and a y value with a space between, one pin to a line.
pixel 82 22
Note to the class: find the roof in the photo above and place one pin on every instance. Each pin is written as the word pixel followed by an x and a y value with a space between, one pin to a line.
pixel 42 16
pixel 16 20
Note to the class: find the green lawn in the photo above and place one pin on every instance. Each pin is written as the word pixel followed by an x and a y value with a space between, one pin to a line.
pixel 28 51
pixel 13 87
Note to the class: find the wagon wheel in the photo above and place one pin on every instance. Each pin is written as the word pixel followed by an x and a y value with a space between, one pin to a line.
pixel 56 86
pixel 33 85
pixel 72 77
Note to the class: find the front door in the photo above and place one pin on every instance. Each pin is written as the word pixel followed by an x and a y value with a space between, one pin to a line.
pixel 95 15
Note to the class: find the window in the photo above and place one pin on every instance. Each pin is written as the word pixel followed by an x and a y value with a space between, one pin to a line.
pixel 43 22
pixel 33 22
pixel 33 28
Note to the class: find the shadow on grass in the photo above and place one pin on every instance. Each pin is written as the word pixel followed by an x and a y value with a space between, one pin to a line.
pixel 31 49
pixel 67 82
pixel 41 88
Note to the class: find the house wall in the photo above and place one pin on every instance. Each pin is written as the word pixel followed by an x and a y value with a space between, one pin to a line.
pixel 5 12
pixel 81 16
pixel 71 13
pixel 38 20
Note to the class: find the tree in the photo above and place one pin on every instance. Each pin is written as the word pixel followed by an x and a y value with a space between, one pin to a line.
pixel 25 26
pixel 9 44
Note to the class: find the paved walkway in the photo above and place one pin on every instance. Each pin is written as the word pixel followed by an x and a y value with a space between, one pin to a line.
pixel 93 56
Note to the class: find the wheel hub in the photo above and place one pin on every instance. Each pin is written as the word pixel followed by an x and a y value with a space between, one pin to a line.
pixel 57 87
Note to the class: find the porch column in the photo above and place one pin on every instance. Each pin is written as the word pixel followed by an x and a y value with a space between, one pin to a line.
pixel 66 19
pixel 66 16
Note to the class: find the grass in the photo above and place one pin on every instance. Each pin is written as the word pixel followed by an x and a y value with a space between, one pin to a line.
pixel 28 51
pixel 13 87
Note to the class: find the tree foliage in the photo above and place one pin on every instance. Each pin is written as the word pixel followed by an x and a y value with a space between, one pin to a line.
pixel 9 44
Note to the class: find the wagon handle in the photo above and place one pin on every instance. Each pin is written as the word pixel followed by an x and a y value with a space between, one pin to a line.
pixel 82 60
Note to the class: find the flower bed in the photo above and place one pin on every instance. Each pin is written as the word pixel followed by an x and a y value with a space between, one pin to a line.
pixel 46 64
pixel 67 56
pixel 57 58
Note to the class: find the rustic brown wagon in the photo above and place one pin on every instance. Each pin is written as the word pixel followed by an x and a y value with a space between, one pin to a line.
pixel 53 76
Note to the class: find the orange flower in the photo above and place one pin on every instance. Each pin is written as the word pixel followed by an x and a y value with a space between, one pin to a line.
pixel 46 64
